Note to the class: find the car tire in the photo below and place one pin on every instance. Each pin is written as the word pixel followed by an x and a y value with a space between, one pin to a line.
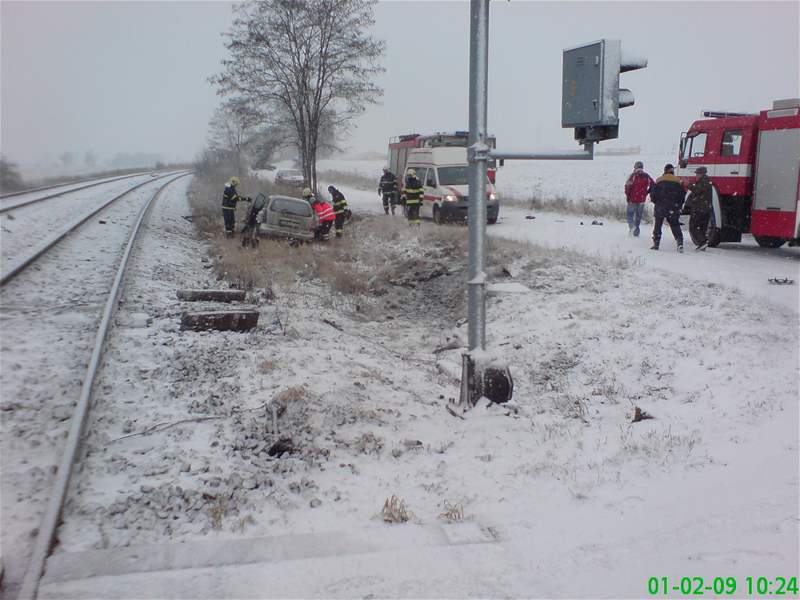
pixel 767 241
pixel 437 215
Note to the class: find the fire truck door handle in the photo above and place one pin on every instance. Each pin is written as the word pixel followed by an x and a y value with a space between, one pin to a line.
pixel 734 172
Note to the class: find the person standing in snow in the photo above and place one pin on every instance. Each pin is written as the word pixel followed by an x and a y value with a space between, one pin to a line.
pixel 229 199
pixel 667 195
pixel 636 189
pixel 699 205
pixel 339 209
pixel 413 192
pixel 387 190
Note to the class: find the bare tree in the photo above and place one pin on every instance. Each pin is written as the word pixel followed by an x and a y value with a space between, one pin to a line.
pixel 231 131
pixel 90 158
pixel 10 179
pixel 67 158
pixel 311 61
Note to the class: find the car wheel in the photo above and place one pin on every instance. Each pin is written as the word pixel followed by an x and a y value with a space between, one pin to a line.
pixel 767 241
pixel 437 215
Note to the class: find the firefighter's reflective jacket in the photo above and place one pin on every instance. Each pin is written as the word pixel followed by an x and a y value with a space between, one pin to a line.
pixel 388 183
pixel 339 202
pixel 230 197
pixel 413 190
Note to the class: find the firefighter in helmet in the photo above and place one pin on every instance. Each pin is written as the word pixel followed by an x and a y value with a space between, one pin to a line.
pixel 413 192
pixel 229 199
pixel 339 209
pixel 387 190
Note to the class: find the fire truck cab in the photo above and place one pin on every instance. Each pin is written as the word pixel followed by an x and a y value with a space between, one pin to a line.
pixel 753 161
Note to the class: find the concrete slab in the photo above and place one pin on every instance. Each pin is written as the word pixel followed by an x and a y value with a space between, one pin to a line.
pixel 342 563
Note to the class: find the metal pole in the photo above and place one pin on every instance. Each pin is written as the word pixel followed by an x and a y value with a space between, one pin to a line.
pixel 478 156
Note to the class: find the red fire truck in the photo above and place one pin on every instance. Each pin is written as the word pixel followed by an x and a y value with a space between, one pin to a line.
pixel 753 160
pixel 400 145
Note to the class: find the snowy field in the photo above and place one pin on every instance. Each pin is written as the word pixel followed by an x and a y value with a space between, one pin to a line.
pixel 601 179
pixel 555 495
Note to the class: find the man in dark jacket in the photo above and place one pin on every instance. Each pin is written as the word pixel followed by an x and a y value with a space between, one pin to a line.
pixel 699 204
pixel 339 209
pixel 637 187
pixel 251 224
pixel 387 190
pixel 413 192
pixel 667 195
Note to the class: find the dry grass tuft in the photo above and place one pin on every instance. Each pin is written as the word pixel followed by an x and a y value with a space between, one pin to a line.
pixel 218 510
pixel 292 394
pixel 396 510
pixel 368 443
pixel 268 366
pixel 452 513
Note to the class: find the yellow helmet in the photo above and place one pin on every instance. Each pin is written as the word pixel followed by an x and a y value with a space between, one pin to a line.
pixel 234 181
pixel 307 193
pixel 411 173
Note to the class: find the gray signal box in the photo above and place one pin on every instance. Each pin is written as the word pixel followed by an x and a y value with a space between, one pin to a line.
pixel 582 91
pixel 590 93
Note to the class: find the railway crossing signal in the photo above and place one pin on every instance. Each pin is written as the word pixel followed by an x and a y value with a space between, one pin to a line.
pixel 590 93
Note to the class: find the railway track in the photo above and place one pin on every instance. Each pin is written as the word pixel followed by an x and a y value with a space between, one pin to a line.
pixel 19 264
pixel 14 204
pixel 46 532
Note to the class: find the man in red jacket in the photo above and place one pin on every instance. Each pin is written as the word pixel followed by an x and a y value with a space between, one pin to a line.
pixel 636 189
pixel 325 215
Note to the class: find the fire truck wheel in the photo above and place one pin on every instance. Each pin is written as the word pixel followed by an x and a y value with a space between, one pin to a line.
pixel 766 241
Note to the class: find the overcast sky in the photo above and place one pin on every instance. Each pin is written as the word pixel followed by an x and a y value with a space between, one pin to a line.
pixel 132 76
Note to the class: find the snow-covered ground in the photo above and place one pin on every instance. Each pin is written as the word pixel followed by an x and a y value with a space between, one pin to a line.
pixel 561 495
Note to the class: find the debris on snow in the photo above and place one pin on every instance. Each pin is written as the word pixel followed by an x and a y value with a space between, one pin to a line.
pixel 640 415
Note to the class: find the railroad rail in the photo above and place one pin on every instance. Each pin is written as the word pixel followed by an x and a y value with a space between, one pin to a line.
pixel 20 265
pixel 52 515
pixel 94 183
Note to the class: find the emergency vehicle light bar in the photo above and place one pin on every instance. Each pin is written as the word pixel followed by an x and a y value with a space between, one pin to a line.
pixel 717 114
